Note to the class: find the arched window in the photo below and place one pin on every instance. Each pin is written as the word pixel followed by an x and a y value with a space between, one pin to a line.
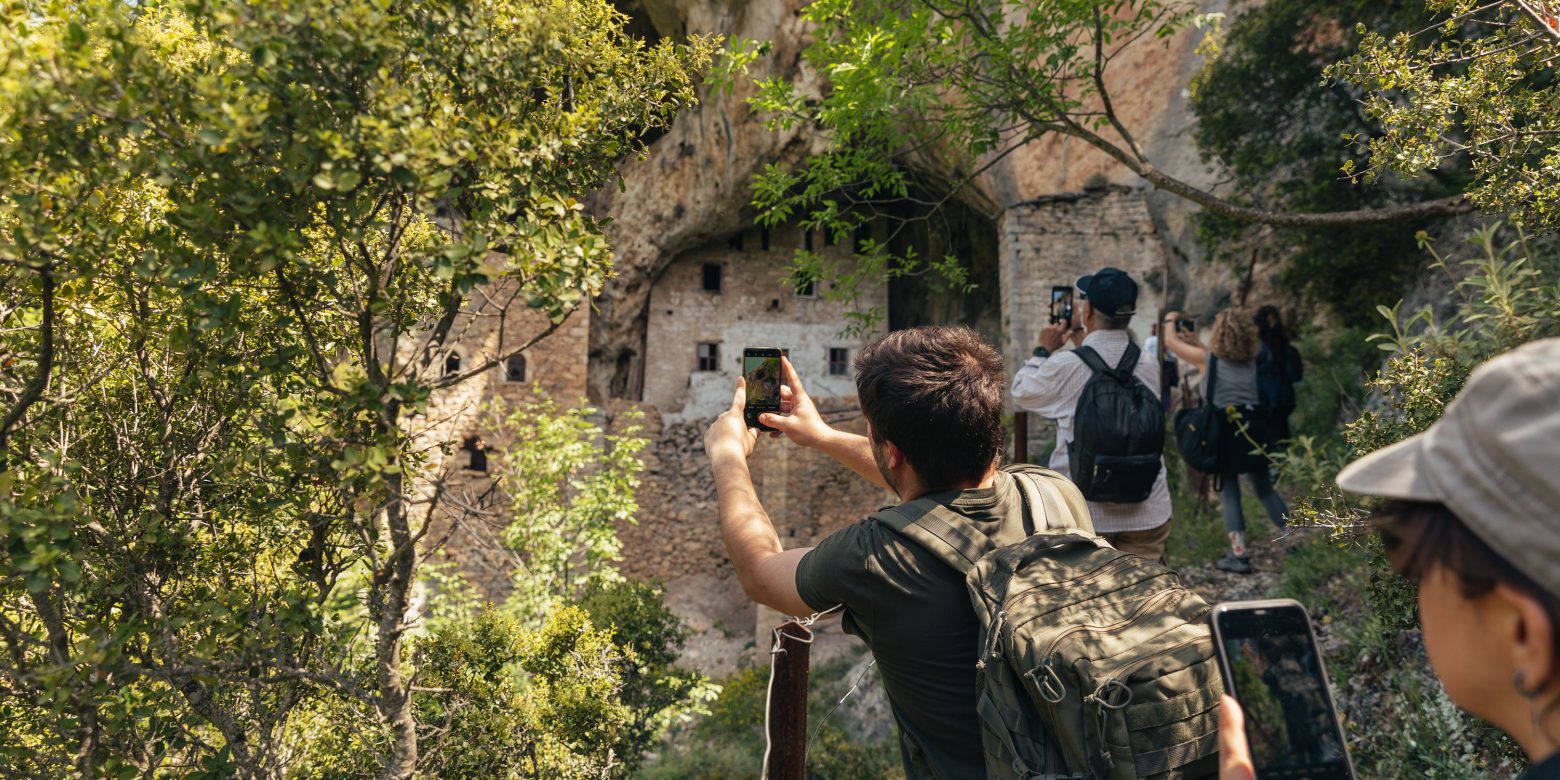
pixel 452 364
pixel 514 368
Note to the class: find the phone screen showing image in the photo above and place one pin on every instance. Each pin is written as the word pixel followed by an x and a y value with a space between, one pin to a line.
pixel 1274 670
pixel 762 374
pixel 1061 304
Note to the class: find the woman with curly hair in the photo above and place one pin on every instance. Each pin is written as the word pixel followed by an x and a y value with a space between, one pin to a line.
pixel 1229 363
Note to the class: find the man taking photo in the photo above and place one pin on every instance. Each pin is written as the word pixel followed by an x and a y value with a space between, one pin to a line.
pixel 1052 382
pixel 932 398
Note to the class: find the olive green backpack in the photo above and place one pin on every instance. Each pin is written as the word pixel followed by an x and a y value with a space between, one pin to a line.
pixel 1094 663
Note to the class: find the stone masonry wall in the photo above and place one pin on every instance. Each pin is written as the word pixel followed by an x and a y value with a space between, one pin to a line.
pixel 754 308
pixel 468 528
pixel 1056 239
pixel 676 538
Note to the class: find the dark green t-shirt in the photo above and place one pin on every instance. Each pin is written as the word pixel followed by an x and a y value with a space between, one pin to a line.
pixel 914 613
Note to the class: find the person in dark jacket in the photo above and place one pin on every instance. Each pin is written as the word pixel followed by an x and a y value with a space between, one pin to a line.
pixel 1474 520
pixel 1278 369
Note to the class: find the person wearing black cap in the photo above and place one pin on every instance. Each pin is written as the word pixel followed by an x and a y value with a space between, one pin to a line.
pixel 1052 380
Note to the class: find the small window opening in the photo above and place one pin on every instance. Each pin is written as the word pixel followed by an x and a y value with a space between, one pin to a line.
pixel 807 242
pixel 763 236
pixel 712 277
pixel 478 451
pixel 736 243
pixel 805 289
pixel 514 368
pixel 839 361
pixel 452 364
pixel 709 356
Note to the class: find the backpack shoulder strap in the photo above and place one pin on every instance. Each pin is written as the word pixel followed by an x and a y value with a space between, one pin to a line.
pixel 1091 359
pixel 1055 503
pixel 1121 373
pixel 936 528
pixel 1129 359
pixel 1213 377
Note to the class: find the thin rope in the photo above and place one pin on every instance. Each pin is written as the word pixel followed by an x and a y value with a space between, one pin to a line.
pixel 853 686
pixel 769 690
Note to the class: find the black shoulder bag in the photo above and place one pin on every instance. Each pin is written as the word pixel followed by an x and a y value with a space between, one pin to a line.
pixel 1198 431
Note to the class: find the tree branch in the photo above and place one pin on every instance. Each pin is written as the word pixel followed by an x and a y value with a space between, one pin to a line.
pixel 40 380
pixel 1410 212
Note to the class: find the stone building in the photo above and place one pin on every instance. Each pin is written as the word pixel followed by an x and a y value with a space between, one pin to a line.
pixel 496 321
pixel 696 283
pixel 713 302
pixel 1054 239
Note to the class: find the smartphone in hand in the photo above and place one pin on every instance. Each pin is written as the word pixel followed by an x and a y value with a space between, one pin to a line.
pixel 761 370
pixel 1061 304
pixel 1268 654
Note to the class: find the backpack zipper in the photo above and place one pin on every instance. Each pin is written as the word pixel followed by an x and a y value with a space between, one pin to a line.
pixel 1108 568
pixel 1052 688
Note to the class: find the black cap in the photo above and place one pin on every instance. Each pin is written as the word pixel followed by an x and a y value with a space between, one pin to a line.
pixel 1111 291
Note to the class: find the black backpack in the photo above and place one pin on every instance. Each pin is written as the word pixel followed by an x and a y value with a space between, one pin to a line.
pixel 1118 432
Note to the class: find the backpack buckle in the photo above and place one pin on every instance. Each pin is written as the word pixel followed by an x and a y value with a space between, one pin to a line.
pixel 1114 694
pixel 1051 687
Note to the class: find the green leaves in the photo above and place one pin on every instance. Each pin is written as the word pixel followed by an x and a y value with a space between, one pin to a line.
pixel 260 219
pixel 945 86
pixel 1480 84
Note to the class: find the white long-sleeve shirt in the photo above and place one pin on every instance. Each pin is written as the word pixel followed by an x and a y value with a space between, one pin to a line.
pixel 1051 387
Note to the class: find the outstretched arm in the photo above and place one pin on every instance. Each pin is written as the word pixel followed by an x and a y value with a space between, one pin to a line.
pixel 806 427
pixel 1183 344
pixel 766 570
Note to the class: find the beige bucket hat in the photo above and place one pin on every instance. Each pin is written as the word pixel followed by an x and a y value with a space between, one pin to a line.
pixel 1493 459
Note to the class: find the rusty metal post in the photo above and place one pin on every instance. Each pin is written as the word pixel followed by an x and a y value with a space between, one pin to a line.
pixel 787 715
pixel 1021 437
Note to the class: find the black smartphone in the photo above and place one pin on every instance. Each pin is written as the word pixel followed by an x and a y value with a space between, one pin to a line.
pixel 1061 304
pixel 1188 326
pixel 761 370
pixel 1268 655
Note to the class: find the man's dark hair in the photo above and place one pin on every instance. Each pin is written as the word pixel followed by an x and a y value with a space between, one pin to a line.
pixel 936 393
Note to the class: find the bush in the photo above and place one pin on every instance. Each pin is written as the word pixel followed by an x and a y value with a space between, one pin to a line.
pixel 1509 294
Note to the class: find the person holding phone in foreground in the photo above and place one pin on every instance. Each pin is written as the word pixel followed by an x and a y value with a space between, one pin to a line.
pixel 1474 519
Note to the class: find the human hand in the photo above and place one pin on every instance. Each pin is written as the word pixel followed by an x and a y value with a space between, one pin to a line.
pixel 799 420
pixel 1234 754
pixel 1054 336
pixel 729 435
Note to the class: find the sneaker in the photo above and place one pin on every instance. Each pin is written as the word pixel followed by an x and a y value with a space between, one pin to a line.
pixel 1239 564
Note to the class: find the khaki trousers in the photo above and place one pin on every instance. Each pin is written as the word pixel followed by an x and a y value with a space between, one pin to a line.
pixel 1150 543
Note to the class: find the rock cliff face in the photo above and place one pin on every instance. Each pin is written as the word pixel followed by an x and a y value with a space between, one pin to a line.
pixel 1053 211
pixel 692 190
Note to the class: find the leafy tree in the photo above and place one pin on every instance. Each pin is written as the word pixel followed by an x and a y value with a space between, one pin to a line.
pixel 949 81
pixel 1270 119
pixel 1480 84
pixel 499 699
pixel 570 485
pixel 239 240
pixel 946 89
